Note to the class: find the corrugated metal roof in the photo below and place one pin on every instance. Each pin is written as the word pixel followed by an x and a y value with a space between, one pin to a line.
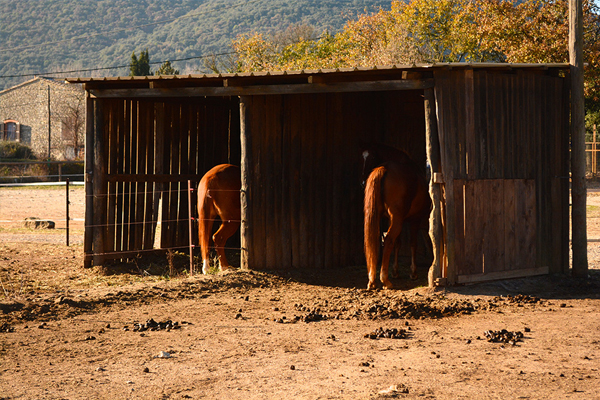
pixel 336 71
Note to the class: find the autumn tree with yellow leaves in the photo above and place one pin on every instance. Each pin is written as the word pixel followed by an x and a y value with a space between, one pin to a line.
pixel 430 31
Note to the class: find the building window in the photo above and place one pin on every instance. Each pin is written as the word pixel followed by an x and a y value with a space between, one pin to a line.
pixel 10 130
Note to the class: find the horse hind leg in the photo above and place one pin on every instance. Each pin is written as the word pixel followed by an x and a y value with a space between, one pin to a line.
pixel 396 252
pixel 388 245
pixel 414 236
pixel 225 231
pixel 205 223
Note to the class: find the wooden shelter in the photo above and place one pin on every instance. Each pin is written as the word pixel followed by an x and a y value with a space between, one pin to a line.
pixel 495 135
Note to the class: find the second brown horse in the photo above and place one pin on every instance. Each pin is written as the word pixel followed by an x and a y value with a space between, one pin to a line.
pixel 218 196
pixel 396 188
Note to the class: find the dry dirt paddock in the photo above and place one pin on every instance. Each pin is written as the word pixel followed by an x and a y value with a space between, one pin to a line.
pixel 72 333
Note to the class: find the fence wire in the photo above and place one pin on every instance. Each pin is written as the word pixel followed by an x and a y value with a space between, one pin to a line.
pixel 9 196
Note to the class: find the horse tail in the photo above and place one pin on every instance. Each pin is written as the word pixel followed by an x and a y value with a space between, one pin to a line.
pixel 372 210
pixel 204 219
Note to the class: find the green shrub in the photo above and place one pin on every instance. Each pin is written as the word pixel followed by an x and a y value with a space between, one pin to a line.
pixel 15 150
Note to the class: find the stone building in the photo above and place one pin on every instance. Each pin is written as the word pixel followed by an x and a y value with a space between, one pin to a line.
pixel 47 115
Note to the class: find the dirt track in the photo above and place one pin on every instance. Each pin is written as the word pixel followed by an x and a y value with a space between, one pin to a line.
pixel 72 333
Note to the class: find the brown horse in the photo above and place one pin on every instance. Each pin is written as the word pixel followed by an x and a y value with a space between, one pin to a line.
pixel 218 195
pixel 395 187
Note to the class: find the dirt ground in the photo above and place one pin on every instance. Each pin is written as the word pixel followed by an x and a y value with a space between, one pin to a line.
pixel 149 331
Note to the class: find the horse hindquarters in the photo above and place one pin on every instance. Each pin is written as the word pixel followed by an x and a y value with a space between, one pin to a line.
pixel 399 203
pixel 373 206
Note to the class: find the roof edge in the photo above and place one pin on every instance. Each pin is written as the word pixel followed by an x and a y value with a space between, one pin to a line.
pixel 424 66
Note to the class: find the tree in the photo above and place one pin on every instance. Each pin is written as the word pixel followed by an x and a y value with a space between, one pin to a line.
pixel 73 122
pixel 140 66
pixel 536 31
pixel 410 32
pixel 429 31
pixel 166 69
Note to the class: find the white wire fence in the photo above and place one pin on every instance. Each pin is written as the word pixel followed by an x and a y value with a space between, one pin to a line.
pixel 48 201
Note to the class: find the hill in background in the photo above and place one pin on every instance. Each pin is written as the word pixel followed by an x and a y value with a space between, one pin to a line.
pixel 39 37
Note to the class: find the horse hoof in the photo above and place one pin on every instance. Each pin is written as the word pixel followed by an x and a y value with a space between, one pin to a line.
pixel 371 286
pixel 414 277
pixel 388 285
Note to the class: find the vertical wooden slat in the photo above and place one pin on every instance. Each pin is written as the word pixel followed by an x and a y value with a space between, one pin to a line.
pixel 564 175
pixel 519 123
pixel 317 127
pixel 114 226
pixel 359 124
pixel 147 130
pixel 165 194
pixel 194 162
pixel 90 139
pixel 542 217
pixel 470 124
pixel 286 179
pixel 259 146
pixel 209 136
pixel 493 232
pixel 271 163
pixel 247 162
pixel 170 143
pixel 329 163
pixel 490 132
pixel 306 204
pixel 526 227
pixel 475 225
pixel 295 182
pixel 339 160
pixel 123 126
pixel 178 194
pixel 510 224
pixel 131 131
pixel 184 168
pixel 159 166
pixel 139 187
pixel 459 140
pixel 460 261
pixel 99 184
pixel 509 132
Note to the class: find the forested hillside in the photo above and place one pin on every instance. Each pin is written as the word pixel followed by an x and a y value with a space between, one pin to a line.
pixel 43 36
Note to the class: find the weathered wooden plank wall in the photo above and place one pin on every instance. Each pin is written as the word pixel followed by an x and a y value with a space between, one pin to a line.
pixel 149 151
pixel 303 174
pixel 504 142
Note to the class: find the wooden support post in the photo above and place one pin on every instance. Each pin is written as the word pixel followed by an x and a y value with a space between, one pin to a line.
pixel 88 236
pixel 435 190
pixel 594 152
pixel 578 184
pixel 246 190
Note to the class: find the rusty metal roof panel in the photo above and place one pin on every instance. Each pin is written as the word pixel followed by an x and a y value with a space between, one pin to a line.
pixel 267 78
pixel 322 71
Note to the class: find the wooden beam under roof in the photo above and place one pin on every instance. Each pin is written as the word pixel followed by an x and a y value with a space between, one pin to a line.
pixel 303 88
